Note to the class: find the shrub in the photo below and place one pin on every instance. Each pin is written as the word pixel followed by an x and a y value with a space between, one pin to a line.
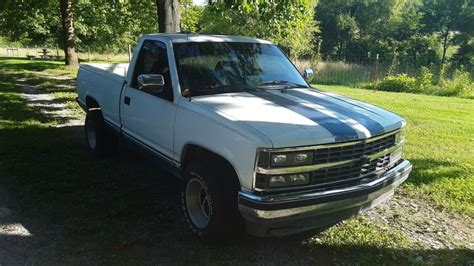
pixel 424 80
pixel 398 83
pixel 459 85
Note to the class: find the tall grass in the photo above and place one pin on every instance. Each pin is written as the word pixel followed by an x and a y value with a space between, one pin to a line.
pixel 392 75
pixel 354 74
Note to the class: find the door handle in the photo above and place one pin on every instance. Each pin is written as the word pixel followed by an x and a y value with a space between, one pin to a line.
pixel 126 100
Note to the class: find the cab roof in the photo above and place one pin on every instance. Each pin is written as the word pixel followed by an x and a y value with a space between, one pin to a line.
pixel 184 37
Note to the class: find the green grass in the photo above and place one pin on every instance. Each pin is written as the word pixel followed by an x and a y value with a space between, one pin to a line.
pixel 123 210
pixel 440 144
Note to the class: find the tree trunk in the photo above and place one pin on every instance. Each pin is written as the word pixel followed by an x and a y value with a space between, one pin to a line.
pixel 69 36
pixel 445 46
pixel 168 15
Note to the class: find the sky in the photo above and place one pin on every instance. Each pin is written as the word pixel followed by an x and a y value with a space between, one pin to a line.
pixel 200 2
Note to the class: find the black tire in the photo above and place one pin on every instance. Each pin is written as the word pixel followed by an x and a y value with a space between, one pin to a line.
pixel 225 221
pixel 99 140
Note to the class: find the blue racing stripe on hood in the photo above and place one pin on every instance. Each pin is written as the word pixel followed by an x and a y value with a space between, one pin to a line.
pixel 373 126
pixel 336 127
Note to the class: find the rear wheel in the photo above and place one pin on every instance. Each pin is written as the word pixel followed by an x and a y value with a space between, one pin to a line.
pixel 210 203
pixel 98 139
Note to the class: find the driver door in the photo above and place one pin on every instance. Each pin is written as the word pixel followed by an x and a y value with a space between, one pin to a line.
pixel 148 116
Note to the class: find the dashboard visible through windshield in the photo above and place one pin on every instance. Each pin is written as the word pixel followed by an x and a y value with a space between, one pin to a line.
pixel 220 67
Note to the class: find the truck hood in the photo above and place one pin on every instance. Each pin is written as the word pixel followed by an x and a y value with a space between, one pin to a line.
pixel 300 117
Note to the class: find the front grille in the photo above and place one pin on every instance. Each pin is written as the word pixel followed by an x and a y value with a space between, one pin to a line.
pixel 352 152
pixel 349 175
pixel 349 165
pixel 352 174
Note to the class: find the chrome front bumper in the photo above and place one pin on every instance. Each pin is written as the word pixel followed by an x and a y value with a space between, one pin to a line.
pixel 289 213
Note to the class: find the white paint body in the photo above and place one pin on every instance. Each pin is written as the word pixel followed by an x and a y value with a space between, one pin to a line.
pixel 233 125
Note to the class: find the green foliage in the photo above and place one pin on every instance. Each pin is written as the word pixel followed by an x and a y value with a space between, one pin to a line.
pixel 450 20
pixel 190 16
pixel 101 26
pixel 359 26
pixel 391 28
pixel 289 24
pixel 395 27
pixel 111 26
pixel 460 84
pixel 424 81
pixel 30 21
pixel 398 83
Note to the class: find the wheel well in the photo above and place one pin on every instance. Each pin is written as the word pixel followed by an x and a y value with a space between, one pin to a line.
pixel 92 104
pixel 193 152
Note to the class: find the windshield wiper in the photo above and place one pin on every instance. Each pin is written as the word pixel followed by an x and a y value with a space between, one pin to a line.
pixel 218 89
pixel 282 82
pixel 213 87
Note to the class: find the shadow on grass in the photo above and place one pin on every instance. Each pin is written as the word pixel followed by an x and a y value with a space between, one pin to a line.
pixel 64 84
pixel 426 171
pixel 124 210
pixel 19 64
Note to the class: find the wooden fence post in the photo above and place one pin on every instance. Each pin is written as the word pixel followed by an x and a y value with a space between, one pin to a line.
pixel 129 53
pixel 377 68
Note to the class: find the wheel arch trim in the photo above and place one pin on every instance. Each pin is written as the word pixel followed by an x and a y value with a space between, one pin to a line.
pixel 190 145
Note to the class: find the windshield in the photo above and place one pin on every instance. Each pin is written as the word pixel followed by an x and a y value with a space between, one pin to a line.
pixel 220 67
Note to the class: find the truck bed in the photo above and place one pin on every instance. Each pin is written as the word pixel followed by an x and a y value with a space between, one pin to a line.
pixel 103 82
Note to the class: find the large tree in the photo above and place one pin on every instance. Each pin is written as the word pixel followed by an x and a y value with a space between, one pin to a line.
pixel 448 19
pixel 168 15
pixel 69 36
pixel 290 24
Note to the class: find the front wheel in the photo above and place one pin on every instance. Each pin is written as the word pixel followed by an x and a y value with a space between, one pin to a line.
pixel 210 204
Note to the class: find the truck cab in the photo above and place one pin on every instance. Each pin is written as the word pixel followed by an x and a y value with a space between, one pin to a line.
pixel 257 148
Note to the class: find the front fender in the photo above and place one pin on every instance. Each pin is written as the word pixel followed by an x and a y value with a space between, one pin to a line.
pixel 197 125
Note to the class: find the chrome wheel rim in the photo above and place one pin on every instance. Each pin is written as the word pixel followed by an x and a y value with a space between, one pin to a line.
pixel 197 203
pixel 91 136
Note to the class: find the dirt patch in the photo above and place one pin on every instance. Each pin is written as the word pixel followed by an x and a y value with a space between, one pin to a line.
pixel 46 102
pixel 423 223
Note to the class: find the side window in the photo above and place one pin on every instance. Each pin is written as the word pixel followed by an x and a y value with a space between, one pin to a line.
pixel 153 59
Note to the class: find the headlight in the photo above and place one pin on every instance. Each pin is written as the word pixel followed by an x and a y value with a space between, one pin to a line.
pixel 400 136
pixel 281 181
pixel 282 159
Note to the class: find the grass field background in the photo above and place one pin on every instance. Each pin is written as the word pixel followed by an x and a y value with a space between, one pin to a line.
pixel 122 210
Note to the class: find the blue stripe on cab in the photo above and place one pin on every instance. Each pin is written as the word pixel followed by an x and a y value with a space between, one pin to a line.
pixel 373 126
pixel 336 127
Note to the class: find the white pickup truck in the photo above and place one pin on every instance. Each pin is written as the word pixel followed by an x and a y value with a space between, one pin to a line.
pixel 256 147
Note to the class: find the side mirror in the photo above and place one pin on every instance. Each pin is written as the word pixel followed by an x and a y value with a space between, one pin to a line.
pixel 151 83
pixel 308 74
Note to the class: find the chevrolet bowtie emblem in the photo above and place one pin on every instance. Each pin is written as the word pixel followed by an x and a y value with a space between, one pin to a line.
pixel 365 159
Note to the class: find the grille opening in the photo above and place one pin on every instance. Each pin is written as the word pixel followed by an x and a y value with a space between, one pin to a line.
pixel 350 174
pixel 352 152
